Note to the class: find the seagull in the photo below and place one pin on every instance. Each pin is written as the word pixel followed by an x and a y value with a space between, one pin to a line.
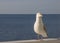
pixel 39 27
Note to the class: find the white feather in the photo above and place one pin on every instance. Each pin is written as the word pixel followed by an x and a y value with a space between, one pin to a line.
pixel 39 26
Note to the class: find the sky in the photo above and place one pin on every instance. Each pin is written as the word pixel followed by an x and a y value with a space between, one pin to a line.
pixel 29 6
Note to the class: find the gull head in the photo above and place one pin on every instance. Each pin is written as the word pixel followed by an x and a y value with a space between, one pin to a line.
pixel 39 15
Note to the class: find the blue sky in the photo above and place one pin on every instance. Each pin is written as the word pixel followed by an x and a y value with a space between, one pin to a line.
pixel 29 6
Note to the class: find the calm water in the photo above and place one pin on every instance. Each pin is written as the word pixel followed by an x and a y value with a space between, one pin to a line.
pixel 20 27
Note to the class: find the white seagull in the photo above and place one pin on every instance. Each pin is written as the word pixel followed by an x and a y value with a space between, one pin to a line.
pixel 39 27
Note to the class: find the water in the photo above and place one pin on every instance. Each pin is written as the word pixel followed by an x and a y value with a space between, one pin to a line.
pixel 20 26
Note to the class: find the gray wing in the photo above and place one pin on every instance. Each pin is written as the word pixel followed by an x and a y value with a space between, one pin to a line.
pixel 45 29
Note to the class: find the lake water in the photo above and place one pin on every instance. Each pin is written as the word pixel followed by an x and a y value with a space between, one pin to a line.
pixel 20 26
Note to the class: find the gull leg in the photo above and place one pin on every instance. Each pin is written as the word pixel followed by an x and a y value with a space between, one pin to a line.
pixel 41 38
pixel 38 36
